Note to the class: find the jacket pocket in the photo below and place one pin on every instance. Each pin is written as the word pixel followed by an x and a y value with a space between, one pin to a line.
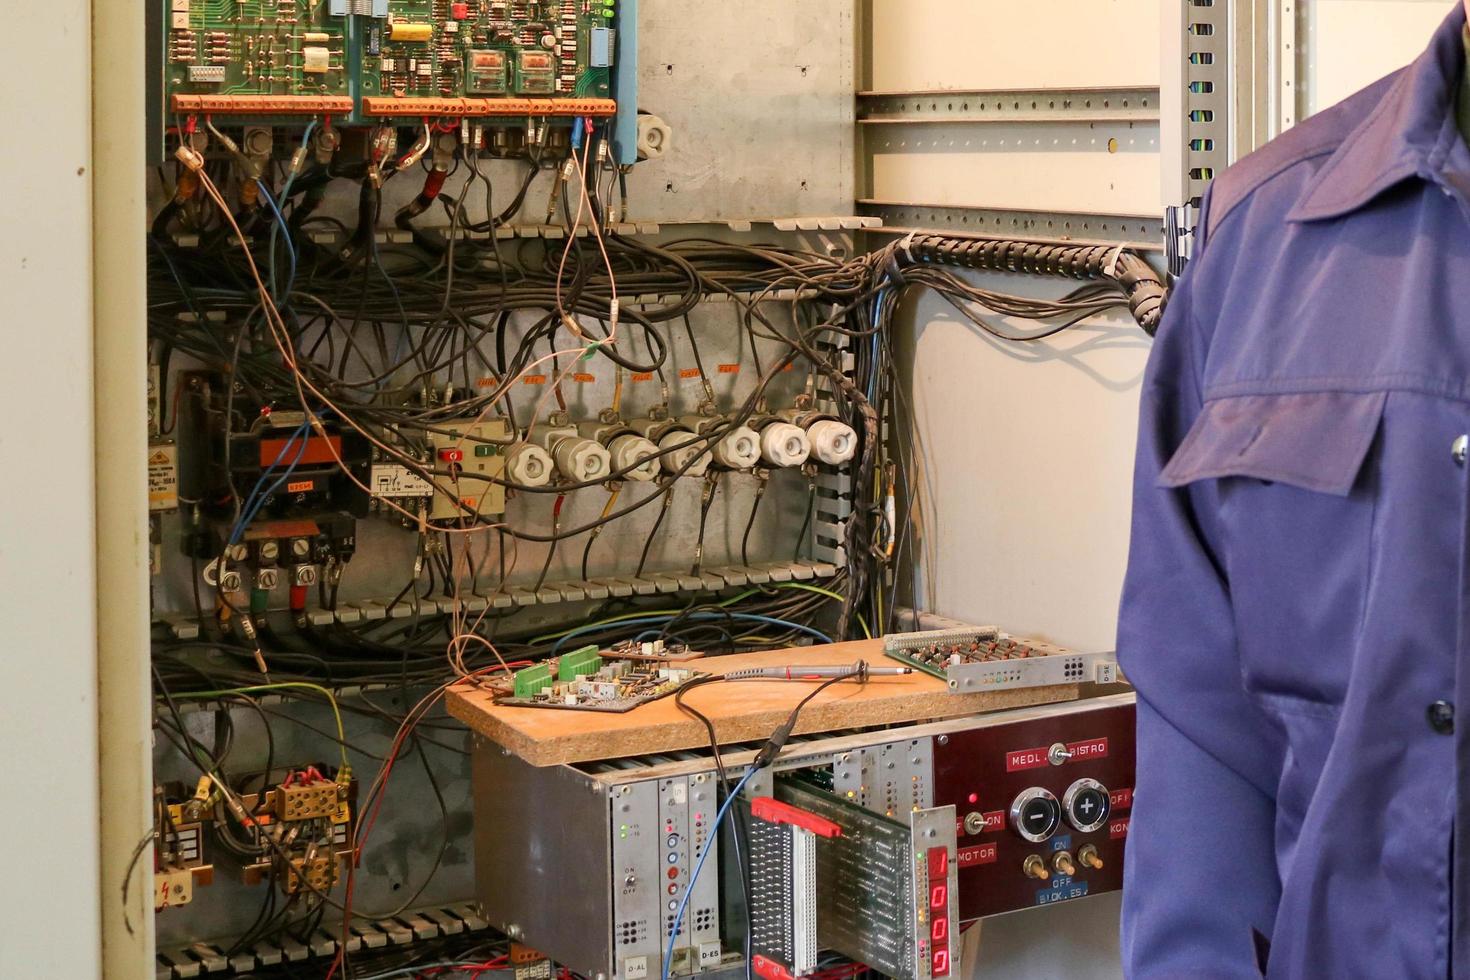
pixel 1316 441
pixel 1295 486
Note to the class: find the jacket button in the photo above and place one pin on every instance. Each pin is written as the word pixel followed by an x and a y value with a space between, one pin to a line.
pixel 1460 448
pixel 1441 716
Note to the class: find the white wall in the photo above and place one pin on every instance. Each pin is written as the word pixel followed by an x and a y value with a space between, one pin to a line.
pixel 49 909
pixel 1030 452
pixel 1349 43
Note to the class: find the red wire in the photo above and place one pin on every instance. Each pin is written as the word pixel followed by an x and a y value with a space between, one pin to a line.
pixel 387 770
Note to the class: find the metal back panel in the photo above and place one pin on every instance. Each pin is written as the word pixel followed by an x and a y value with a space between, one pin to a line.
pixel 543 856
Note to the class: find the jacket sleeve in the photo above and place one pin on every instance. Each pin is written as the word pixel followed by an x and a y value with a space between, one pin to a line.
pixel 1200 867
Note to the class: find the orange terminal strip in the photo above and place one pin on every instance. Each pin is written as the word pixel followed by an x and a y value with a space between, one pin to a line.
pixel 263 105
pixel 421 107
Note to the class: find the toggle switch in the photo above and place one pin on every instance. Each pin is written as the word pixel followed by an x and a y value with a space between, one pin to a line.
pixel 1035 867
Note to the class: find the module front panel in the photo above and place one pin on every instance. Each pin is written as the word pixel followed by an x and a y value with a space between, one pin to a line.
pixel 1043 806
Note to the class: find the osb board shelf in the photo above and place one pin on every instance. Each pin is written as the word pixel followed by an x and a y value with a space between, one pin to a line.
pixel 741 711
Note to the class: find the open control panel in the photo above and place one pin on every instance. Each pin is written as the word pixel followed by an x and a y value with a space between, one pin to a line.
pixel 1043 805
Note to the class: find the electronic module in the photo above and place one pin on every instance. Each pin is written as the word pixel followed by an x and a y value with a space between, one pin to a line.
pixel 584 680
pixel 984 658
pixel 361 59
pixel 876 844
pixel 657 651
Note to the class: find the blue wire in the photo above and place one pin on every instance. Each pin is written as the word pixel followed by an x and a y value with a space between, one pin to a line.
pixel 409 971
pixel 697 617
pixel 280 222
pixel 290 249
pixel 255 499
pixel 711 841
pixel 877 318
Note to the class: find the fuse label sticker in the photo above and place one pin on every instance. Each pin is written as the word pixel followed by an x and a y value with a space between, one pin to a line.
pixel 394 480
pixel 163 477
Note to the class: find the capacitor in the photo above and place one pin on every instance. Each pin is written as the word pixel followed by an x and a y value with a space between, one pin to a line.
pixel 407 31
pixel 315 60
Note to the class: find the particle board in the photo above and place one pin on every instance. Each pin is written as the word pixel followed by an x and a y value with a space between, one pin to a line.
pixel 741 711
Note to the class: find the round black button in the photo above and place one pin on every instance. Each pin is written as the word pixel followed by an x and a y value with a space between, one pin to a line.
pixel 1441 716
pixel 1038 815
pixel 1088 808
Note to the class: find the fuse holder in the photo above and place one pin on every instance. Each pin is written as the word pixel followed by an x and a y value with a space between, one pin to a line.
pixel 774 811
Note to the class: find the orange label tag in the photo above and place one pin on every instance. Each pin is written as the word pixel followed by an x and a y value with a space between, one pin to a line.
pixel 300 486
pixel 583 379
pixel 643 376
pixel 689 373
pixel 486 383
pixel 729 368
pixel 534 379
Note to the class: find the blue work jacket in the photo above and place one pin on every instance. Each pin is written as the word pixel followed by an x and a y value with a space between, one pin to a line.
pixel 1296 614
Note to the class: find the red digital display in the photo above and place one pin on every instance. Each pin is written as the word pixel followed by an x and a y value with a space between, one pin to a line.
pixel 939 911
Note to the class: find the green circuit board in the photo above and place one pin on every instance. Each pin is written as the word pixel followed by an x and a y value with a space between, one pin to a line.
pixel 255 47
pixel 298 49
pixel 484 48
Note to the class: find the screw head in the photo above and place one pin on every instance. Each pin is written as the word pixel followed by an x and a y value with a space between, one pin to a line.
pixel 1460 448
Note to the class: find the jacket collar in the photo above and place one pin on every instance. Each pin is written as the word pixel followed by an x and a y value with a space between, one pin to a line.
pixel 1409 133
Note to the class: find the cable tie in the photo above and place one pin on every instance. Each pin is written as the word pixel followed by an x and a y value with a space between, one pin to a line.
pixel 1110 267
pixel 906 245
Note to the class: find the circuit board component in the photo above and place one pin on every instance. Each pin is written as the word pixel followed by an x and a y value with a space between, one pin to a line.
pixel 442 49
pixel 984 658
pixel 387 58
pixel 664 651
pixel 584 680
pixel 255 47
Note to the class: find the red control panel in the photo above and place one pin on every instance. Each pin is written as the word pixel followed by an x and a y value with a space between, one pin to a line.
pixel 1043 805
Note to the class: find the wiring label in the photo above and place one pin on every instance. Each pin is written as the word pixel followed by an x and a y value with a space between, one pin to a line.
pixel 534 379
pixel 643 376
pixel 729 368
pixel 395 480
pixel 687 373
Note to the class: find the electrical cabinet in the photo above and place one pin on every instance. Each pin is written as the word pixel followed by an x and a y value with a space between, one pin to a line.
pixel 831 128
